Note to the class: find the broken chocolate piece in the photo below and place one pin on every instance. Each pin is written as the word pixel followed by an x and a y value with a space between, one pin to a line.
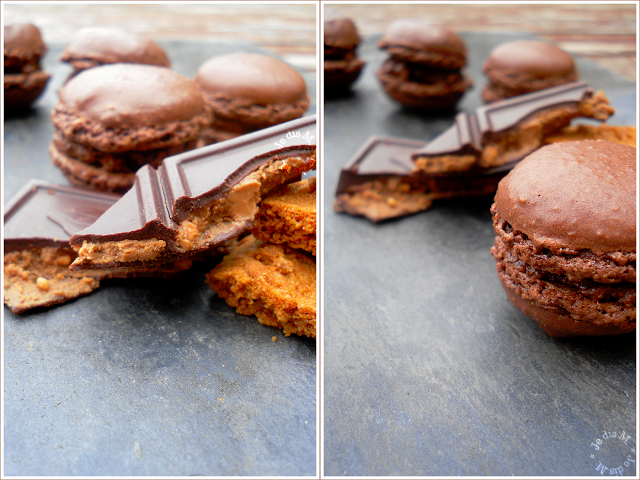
pixel 504 132
pixel 38 224
pixel 196 200
pixel 378 182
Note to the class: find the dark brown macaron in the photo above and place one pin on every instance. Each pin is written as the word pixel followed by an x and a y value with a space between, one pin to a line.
pixel 24 80
pixel 424 70
pixel 525 66
pixel 248 92
pixel 113 119
pixel 342 67
pixel 94 46
pixel 565 220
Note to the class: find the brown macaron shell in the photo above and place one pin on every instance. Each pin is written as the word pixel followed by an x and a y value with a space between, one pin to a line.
pixel 23 44
pixel 400 84
pixel 424 43
pixel 565 219
pixel 248 91
pixel 122 107
pixel 525 66
pixel 95 46
pixel 340 36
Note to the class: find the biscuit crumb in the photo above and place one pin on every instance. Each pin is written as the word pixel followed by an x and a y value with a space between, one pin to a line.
pixel 273 339
pixel 42 283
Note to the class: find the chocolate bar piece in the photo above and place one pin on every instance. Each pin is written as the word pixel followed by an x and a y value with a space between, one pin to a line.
pixel 38 223
pixel 378 182
pixel 196 200
pixel 46 215
pixel 504 132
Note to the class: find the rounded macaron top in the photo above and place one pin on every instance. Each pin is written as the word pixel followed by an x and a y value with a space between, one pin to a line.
pixel 576 195
pixel 113 45
pixel 424 43
pixel 23 40
pixel 129 96
pixel 340 33
pixel 531 59
pixel 251 78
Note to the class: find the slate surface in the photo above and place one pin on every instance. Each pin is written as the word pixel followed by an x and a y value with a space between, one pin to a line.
pixel 148 377
pixel 428 369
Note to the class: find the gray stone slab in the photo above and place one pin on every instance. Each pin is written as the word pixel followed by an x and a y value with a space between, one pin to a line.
pixel 428 369
pixel 148 377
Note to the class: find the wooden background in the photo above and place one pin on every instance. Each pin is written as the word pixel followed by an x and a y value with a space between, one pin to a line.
pixel 604 33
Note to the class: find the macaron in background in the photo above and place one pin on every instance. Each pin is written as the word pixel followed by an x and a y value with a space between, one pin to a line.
pixel 424 70
pixel 99 45
pixel 24 80
pixel 247 92
pixel 342 67
pixel 113 119
pixel 525 66
pixel 565 246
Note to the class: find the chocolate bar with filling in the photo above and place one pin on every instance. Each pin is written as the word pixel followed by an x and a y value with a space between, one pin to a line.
pixel 38 224
pixel 502 133
pixel 378 183
pixel 196 200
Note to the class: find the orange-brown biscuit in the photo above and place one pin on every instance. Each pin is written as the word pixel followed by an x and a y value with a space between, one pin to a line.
pixel 289 216
pixel 625 135
pixel 276 284
pixel 41 278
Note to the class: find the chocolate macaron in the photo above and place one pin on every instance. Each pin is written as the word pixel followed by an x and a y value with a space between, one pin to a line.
pixel 525 66
pixel 94 46
pixel 113 119
pixel 424 70
pixel 565 246
pixel 341 65
pixel 248 92
pixel 24 80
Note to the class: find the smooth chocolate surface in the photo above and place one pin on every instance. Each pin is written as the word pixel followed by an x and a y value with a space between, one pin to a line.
pixel 162 198
pixel 379 156
pixel 43 214
pixel 470 132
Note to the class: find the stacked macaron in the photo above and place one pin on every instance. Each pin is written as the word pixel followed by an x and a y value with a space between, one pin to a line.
pixel 424 70
pixel 248 92
pixel 525 66
pixel 113 119
pixel 341 65
pixel 94 46
pixel 24 80
pixel 565 220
